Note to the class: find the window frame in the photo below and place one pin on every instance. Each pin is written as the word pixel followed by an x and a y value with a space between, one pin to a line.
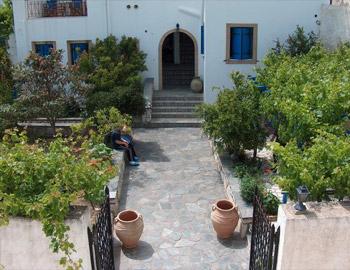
pixel 228 59
pixel 69 51
pixel 34 43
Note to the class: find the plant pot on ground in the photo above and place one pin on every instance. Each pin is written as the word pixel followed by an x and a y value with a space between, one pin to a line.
pixel 128 226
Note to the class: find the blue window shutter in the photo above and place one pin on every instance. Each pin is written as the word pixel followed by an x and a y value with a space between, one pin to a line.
pixel 202 39
pixel 43 49
pixel 77 3
pixel 52 4
pixel 236 43
pixel 77 49
pixel 247 43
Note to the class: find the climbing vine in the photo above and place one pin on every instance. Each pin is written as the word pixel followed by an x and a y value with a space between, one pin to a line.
pixel 43 180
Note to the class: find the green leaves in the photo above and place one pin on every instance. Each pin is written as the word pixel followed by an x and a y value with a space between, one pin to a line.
pixel 42 182
pixel 325 164
pixel 113 68
pixel 235 120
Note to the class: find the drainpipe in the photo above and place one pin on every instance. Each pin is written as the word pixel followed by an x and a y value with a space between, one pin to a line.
pixel 107 17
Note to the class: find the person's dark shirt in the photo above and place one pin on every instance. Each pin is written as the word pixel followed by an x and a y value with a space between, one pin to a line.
pixel 116 136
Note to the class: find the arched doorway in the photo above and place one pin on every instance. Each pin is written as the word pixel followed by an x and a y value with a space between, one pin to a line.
pixel 178 59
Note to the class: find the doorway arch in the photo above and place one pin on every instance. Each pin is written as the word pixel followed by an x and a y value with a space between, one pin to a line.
pixel 188 66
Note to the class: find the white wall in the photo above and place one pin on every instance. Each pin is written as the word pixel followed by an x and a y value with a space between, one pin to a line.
pixel 24 246
pixel 275 19
pixel 59 29
pixel 318 239
pixel 335 25
pixel 156 17
pixel 148 23
pixel 153 18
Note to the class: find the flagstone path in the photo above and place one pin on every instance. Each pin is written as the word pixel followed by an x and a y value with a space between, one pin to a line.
pixel 174 188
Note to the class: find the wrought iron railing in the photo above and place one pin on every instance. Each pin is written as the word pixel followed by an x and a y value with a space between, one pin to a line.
pixel 101 239
pixel 264 241
pixel 56 8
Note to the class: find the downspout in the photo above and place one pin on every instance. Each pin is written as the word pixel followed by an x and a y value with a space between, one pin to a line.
pixel 107 18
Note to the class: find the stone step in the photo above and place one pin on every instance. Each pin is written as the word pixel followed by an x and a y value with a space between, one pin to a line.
pixel 174 122
pixel 162 109
pixel 174 115
pixel 177 98
pixel 176 103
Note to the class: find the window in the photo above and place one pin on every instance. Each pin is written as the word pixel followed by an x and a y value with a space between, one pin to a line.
pixel 202 39
pixel 43 48
pixel 75 49
pixel 241 45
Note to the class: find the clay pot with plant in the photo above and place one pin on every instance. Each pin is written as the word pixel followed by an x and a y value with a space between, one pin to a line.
pixel 224 217
pixel 128 226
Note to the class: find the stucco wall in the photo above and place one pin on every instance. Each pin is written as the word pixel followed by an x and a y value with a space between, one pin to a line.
pixel 275 19
pixel 24 246
pixel 317 239
pixel 153 18
pixel 335 25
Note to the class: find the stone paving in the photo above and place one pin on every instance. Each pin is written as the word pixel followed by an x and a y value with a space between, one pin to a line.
pixel 174 188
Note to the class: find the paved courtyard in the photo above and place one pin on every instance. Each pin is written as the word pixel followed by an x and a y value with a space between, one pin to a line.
pixel 174 188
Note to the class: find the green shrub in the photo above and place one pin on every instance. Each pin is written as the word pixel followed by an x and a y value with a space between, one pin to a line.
pixel 325 164
pixel 235 120
pixel 308 93
pixel 127 100
pixel 297 43
pixel 113 68
pixel 6 82
pixel 6 22
pixel 94 129
pixel 42 181
pixel 270 203
pixel 249 185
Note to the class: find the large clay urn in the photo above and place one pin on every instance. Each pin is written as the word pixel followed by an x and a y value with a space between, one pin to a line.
pixel 197 85
pixel 128 226
pixel 224 217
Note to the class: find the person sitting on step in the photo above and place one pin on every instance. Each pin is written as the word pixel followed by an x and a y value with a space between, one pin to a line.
pixel 121 140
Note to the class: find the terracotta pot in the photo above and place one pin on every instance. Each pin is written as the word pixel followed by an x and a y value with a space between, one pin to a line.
pixel 197 85
pixel 224 218
pixel 128 226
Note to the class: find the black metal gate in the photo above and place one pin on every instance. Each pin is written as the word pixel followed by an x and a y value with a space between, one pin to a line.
pixel 101 239
pixel 265 240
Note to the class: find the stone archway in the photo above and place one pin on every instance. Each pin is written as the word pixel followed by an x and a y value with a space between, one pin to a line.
pixel 180 74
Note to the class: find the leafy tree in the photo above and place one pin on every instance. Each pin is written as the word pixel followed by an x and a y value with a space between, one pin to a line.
pixel 113 68
pixel 42 182
pixel 307 93
pixel 235 120
pixel 6 22
pixel 45 86
pixel 6 82
pixel 323 165
pixel 298 43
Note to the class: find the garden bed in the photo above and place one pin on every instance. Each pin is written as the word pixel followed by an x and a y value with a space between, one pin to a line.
pixel 232 185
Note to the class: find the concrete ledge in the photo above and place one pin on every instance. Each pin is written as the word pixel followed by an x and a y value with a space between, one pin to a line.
pixel 115 185
pixel 232 189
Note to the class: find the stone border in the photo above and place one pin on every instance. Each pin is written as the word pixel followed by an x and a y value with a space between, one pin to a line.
pixel 232 189
pixel 115 185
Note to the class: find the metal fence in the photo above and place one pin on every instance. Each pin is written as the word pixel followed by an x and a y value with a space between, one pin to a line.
pixel 56 8
pixel 265 240
pixel 101 239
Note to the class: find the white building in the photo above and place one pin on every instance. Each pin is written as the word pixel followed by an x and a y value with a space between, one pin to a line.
pixel 182 38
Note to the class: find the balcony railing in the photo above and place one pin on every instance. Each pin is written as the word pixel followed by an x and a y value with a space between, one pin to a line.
pixel 56 8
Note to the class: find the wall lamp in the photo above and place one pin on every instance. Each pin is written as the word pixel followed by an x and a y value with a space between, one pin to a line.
pixel 302 194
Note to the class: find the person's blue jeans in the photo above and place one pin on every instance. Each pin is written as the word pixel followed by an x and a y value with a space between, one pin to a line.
pixel 130 151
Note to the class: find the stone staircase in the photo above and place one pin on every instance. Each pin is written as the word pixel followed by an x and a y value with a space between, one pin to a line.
pixel 175 108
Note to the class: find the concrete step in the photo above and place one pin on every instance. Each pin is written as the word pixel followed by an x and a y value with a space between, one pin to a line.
pixel 174 115
pixel 174 122
pixel 162 109
pixel 177 98
pixel 176 103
